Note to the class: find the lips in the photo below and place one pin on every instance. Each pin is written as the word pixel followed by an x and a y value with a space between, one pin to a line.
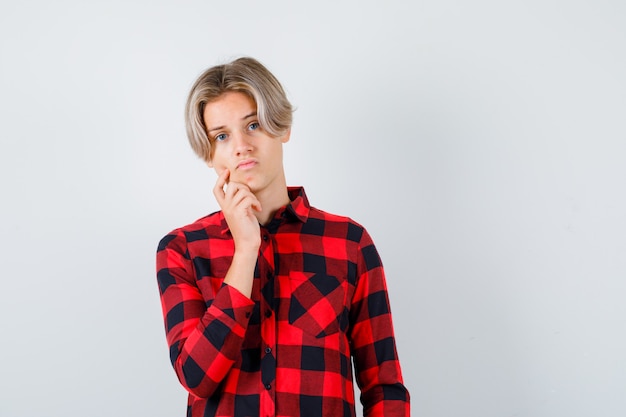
pixel 246 164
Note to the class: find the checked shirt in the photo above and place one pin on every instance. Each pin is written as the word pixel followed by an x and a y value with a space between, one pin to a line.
pixel 319 298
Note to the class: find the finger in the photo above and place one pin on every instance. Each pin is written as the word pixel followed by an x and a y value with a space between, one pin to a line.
pixel 256 204
pixel 231 190
pixel 238 195
pixel 234 187
pixel 218 190
pixel 244 196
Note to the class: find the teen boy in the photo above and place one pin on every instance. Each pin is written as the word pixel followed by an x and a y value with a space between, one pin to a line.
pixel 266 301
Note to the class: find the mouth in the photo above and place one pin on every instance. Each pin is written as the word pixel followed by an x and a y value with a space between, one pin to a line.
pixel 246 164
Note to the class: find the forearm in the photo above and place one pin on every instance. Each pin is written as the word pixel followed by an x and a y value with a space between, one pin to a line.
pixel 387 397
pixel 205 342
pixel 204 350
pixel 378 371
pixel 240 275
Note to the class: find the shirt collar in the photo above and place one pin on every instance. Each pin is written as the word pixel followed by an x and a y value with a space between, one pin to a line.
pixel 297 209
pixel 299 206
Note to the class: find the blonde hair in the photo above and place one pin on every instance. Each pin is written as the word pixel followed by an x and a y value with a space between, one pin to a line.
pixel 245 75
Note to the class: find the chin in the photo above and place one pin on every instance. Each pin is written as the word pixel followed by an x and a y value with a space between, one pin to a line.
pixel 248 180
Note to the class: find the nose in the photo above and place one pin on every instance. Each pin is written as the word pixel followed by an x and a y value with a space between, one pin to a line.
pixel 242 144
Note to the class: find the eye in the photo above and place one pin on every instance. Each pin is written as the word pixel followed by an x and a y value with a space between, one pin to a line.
pixel 253 126
pixel 220 137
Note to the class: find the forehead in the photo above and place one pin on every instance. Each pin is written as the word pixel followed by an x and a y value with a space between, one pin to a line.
pixel 230 106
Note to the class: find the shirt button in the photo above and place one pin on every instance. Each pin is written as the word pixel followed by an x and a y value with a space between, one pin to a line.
pixel 268 313
pixel 268 387
pixel 268 350
pixel 265 237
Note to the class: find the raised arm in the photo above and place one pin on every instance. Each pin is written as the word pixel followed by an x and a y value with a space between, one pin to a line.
pixel 205 332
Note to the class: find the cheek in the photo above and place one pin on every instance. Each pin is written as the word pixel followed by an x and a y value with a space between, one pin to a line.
pixel 218 161
pixel 218 168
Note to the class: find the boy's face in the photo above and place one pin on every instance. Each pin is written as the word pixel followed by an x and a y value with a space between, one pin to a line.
pixel 240 145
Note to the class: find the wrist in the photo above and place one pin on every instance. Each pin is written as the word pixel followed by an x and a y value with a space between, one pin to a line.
pixel 240 275
pixel 246 254
pixel 248 246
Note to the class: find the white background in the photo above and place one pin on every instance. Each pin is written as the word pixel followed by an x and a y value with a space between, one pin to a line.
pixel 481 143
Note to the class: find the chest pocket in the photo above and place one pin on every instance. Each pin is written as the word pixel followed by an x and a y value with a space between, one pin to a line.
pixel 317 304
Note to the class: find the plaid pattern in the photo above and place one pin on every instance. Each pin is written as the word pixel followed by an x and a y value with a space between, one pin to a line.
pixel 319 299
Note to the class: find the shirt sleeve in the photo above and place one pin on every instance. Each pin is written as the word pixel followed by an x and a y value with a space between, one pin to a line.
pixel 204 331
pixel 377 367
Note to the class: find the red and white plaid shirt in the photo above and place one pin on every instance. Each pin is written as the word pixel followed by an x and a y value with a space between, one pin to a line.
pixel 319 298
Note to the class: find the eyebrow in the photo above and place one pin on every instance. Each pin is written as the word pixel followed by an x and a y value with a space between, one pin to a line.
pixel 243 118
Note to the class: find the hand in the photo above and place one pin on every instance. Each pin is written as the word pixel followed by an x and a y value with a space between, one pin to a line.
pixel 238 204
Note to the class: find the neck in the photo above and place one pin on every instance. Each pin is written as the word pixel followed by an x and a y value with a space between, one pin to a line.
pixel 271 201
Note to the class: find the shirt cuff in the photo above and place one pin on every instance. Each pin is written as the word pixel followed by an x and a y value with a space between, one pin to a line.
pixel 232 303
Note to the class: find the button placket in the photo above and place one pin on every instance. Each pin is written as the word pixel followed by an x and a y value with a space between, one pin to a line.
pixel 268 324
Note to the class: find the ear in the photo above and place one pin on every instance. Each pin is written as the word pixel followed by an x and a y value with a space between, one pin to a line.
pixel 286 136
pixel 209 163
